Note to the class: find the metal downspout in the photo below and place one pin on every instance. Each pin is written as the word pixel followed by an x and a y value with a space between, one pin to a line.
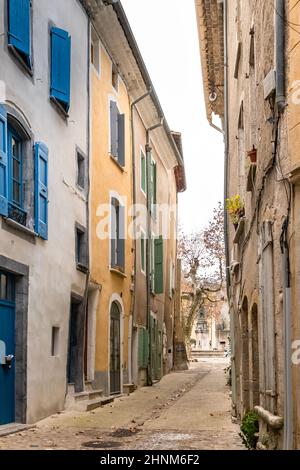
pixel 280 55
pixel 148 245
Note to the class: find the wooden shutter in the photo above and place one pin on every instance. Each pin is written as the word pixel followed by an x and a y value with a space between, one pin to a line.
pixel 121 239
pixel 113 229
pixel 143 172
pixel 121 139
pixel 41 190
pixel 19 26
pixel 143 349
pixel 159 268
pixel 3 163
pixel 114 129
pixel 61 67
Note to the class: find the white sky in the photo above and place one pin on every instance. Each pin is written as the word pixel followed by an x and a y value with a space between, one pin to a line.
pixel 166 32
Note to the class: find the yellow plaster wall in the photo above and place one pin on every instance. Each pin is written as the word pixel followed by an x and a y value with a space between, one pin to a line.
pixel 106 176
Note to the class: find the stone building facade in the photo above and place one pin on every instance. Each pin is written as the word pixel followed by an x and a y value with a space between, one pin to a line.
pixel 250 81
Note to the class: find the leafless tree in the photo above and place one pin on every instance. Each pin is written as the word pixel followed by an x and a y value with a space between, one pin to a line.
pixel 203 261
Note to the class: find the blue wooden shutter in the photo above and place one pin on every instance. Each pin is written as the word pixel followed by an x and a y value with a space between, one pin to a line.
pixel 41 190
pixel 3 163
pixel 121 239
pixel 60 67
pixel 121 139
pixel 19 27
pixel 114 129
pixel 159 267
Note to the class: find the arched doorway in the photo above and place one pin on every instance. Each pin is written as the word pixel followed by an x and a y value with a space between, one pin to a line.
pixel 245 357
pixel 115 349
pixel 255 356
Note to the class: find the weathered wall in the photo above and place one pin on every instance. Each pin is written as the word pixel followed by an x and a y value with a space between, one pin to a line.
pixel 108 177
pixel 52 268
pixel 266 202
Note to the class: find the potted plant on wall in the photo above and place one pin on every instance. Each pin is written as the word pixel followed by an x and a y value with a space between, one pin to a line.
pixel 236 209
pixel 252 155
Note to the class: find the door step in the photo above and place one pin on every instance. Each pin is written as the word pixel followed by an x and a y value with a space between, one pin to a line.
pixel 93 404
pixel 128 389
pixel 13 428
pixel 80 401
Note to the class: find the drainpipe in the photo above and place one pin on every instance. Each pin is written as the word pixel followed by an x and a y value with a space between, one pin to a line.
pixel 148 244
pixel 287 315
pixel 280 55
pixel 132 107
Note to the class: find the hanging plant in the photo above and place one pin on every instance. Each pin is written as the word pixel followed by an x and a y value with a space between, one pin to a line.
pixel 236 209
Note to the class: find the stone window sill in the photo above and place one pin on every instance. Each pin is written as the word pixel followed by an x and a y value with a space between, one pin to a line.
pixel 118 272
pixel 12 223
pixel 114 159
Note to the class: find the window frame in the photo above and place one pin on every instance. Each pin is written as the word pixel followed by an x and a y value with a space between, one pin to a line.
pixel 116 202
pixel 143 156
pixel 82 158
pixel 81 258
pixel 143 251
pixel 12 134
pixel 95 39
pixel 120 116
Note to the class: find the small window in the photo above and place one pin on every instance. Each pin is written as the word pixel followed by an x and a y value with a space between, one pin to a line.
pixel 81 248
pixel 143 173
pixel 115 77
pixel 95 50
pixel 80 170
pixel 252 49
pixel 55 341
pixel 143 252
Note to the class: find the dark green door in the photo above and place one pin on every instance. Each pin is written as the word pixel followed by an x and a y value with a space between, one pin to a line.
pixel 115 350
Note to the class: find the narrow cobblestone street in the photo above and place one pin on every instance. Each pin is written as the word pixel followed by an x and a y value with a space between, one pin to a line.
pixel 185 411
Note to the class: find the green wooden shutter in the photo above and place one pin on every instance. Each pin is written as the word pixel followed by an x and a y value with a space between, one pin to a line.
pixel 159 266
pixel 143 172
pixel 143 351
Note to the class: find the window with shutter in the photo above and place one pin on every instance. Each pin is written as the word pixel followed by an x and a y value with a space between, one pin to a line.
pixel 117 134
pixel 143 173
pixel 143 252
pixel 19 28
pixel 153 187
pixel 60 68
pixel 158 266
pixel 41 190
pixel 3 163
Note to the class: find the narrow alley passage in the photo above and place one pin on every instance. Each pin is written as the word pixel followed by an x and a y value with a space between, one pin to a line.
pixel 187 410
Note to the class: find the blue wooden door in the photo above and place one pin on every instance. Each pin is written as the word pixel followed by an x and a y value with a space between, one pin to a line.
pixel 7 349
